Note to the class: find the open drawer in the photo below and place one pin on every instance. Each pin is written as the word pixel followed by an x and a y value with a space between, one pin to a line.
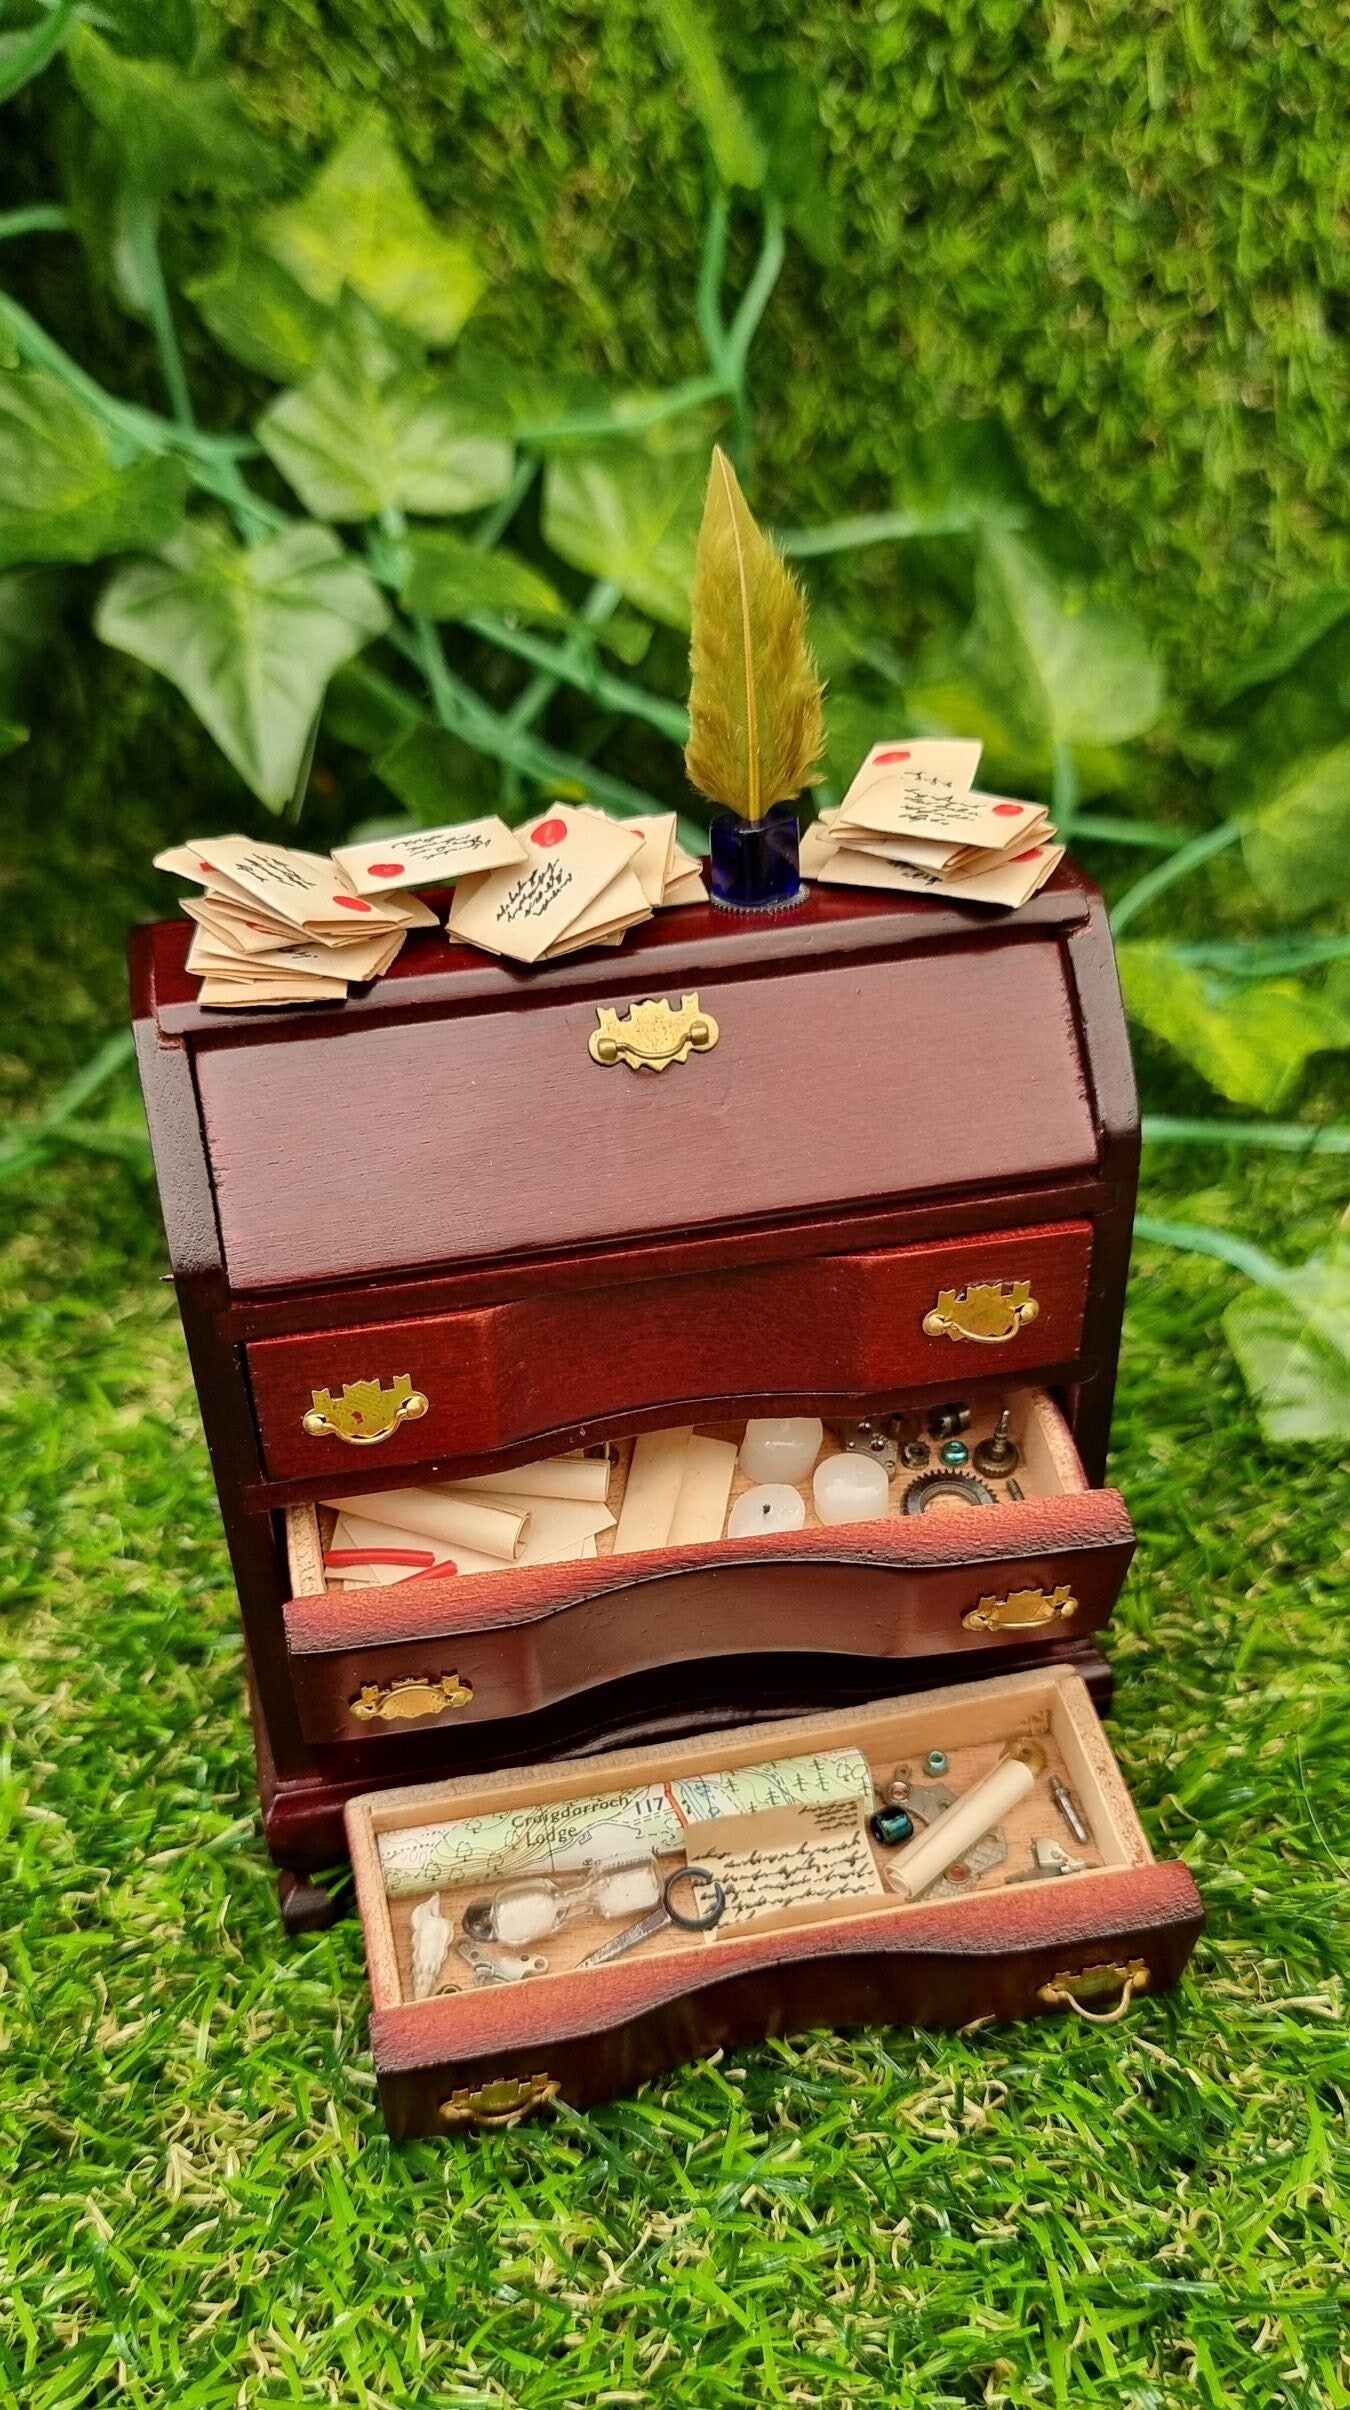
pixel 1030 1919
pixel 1042 1563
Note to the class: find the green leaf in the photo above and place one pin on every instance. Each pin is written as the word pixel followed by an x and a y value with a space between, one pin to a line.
pixel 626 636
pixel 738 153
pixel 437 776
pixel 63 497
pixel 374 429
pixel 260 315
pixel 362 224
pixel 31 603
pixel 172 131
pixel 1250 1040
pixel 511 397
pixel 1296 842
pixel 853 725
pixel 964 476
pixel 1295 633
pixel 631 516
pixel 449 578
pixel 152 29
pixel 785 108
pixel 366 712
pixel 12 735
pixel 26 52
pixel 1292 1344
pixel 1062 668
pixel 250 637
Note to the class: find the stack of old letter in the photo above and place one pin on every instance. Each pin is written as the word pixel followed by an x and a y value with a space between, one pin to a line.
pixel 550 1513
pixel 913 819
pixel 278 926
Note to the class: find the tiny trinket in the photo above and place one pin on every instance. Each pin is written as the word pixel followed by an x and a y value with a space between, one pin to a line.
pixel 999 1455
pixel 781 1447
pixel 1015 1490
pixel 915 1454
pixel 890 1826
pixel 947 1488
pixel 948 1422
pixel 850 1489
pixel 1048 1858
pixel 874 1439
pixel 1069 1809
pixel 502 1969
pixel 431 1937
pixel 673 1910
pixel 770 1507
pixel 534 1905
pixel 953 1837
pixel 897 1789
pixel 935 1762
pixel 956 1452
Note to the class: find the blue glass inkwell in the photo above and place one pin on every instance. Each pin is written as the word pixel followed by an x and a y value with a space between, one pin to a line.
pixel 756 727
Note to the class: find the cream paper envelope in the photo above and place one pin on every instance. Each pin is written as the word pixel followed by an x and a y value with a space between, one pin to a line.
pixel 351 917
pixel 242 927
pixel 922 768
pixel 652 865
pixel 290 883
pixel 572 856
pixel 688 888
pixel 929 853
pixel 236 994
pixel 208 953
pixel 1016 883
pixel 929 806
pixel 423 857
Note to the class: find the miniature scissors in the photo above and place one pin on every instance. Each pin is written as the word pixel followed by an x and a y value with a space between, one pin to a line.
pixel 669 1913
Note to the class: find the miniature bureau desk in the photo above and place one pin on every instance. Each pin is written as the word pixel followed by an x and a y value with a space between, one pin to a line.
pixel 904 1172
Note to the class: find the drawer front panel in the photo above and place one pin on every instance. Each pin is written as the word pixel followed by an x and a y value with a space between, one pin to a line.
pixel 390 1663
pixel 349 1405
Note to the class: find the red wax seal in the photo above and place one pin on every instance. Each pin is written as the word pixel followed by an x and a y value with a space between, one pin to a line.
pixel 1032 854
pixel 353 903
pixel 202 864
pixel 549 832
pixel 897 753
pixel 386 870
pixel 1009 811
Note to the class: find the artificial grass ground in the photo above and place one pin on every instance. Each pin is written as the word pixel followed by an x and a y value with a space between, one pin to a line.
pixel 199 2207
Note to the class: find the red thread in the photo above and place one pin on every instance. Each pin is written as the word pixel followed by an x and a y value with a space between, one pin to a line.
pixel 423 1557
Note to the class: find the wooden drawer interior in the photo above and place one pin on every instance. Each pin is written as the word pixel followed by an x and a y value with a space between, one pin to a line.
pixel 565 1364
pixel 1004 1911
pixel 1048 1467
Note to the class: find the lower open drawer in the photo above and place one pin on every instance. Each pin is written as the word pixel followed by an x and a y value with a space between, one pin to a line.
pixel 1043 1561
pixel 1007 1932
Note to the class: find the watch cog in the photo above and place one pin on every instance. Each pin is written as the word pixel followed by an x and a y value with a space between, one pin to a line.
pixel 961 1488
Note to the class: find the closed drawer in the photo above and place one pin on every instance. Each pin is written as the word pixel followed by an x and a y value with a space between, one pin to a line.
pixel 446 1388
pixel 374 1666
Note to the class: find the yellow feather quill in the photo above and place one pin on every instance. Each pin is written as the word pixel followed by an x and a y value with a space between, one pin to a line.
pixel 756 728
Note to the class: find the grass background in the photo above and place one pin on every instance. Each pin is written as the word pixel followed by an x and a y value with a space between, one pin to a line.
pixel 1122 226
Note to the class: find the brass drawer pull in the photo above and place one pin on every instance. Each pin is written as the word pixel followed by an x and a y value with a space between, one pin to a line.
pixel 500 2104
pixel 1021 1610
pixel 405 1702
pixel 653 1034
pixel 1096 1983
pixel 989 1311
pixel 365 1412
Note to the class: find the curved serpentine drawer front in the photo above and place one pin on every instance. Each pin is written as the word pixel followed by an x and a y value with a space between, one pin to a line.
pixel 340 1404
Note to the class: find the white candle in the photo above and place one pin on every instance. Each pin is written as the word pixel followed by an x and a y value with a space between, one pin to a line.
pixel 771 1507
pixel 781 1448
pixel 850 1489
pixel 966 1821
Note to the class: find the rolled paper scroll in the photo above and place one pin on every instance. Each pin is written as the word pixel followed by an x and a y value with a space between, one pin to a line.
pixel 966 1821
pixel 493 1531
pixel 582 1477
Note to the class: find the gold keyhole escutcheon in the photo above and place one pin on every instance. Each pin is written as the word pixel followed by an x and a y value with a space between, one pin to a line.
pixel 365 1413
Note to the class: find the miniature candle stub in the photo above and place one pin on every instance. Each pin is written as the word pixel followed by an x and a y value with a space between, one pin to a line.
pixel 781 1447
pixel 850 1489
pixel 770 1507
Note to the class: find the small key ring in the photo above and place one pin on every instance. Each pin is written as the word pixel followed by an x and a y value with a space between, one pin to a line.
pixel 695 1875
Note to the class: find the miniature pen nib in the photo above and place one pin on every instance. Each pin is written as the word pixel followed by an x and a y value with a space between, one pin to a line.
pixel 1069 1809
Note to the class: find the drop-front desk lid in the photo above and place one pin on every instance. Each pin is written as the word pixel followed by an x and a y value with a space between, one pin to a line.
pixel 869 1048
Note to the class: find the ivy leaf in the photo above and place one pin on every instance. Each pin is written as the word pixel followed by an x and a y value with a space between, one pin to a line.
pixel 436 775
pixel 361 223
pixel 1250 1039
pixel 1296 842
pixel 260 315
pixel 63 496
pixel 631 516
pixel 374 429
pixel 250 637
pixel 738 153
pixel 1292 1343
pixel 964 476
pixel 172 131
pixel 785 110
pixel 30 49
pixel 1068 669
pixel 448 578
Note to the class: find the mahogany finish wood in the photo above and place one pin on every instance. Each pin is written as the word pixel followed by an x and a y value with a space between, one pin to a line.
pixel 526 1640
pixel 1061 1148
pixel 502 1376
pixel 951 1964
